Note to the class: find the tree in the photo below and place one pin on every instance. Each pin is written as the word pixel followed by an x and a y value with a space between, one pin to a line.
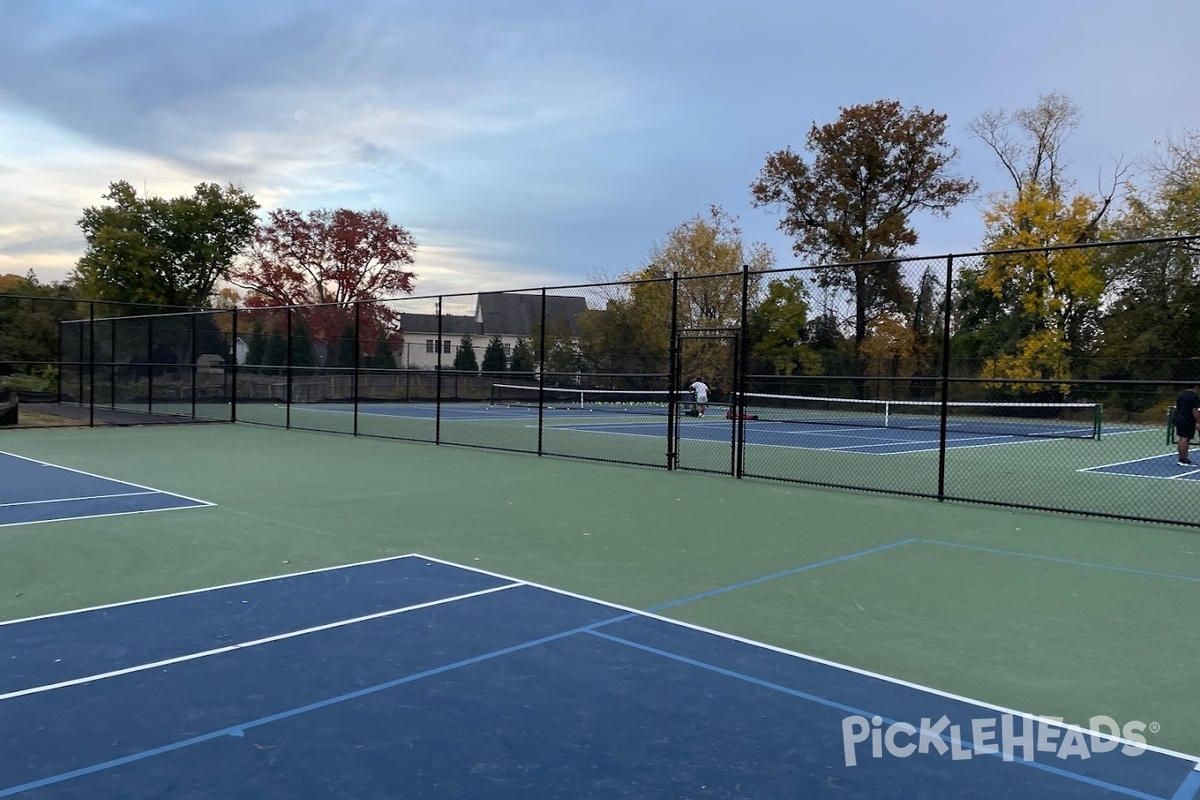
pixel 872 170
pixel 778 330
pixel 464 359
pixel 1045 289
pixel 494 359
pixel 275 353
pixel 708 254
pixel 1171 204
pixel 31 316
pixel 344 350
pixel 1046 300
pixel 383 357
pixel 888 351
pixel 302 352
pixel 329 258
pixel 523 358
pixel 1155 285
pixel 162 252
pixel 256 347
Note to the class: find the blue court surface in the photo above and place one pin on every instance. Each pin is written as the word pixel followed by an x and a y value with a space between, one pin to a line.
pixel 850 436
pixel 868 440
pixel 1163 466
pixel 34 491
pixel 411 677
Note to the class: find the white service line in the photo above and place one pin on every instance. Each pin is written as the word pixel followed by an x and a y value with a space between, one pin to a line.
pixel 76 499
pixel 104 478
pixel 185 592
pixel 253 643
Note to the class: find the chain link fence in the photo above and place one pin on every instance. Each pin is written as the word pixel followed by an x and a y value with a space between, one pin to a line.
pixel 1041 378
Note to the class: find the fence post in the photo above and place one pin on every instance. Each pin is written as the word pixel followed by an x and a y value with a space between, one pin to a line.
pixel 437 401
pixel 150 365
pixel 542 374
pixel 287 386
pixel 357 354
pixel 941 491
pixel 61 360
pixel 741 366
pixel 195 367
pixel 234 377
pixel 112 355
pixel 91 364
pixel 673 377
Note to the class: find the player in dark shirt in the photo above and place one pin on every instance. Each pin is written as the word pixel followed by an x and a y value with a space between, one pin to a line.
pixel 1187 414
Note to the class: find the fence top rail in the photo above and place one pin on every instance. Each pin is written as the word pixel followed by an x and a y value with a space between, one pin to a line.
pixel 1165 240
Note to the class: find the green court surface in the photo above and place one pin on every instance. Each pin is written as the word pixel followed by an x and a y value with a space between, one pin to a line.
pixel 1050 614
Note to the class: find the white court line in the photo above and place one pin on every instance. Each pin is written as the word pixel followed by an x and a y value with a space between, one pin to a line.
pixel 1131 461
pixel 362 413
pixel 517 582
pixel 950 443
pixel 104 478
pixel 253 643
pixel 1136 475
pixel 1168 456
pixel 216 588
pixel 856 449
pixel 76 499
pixel 1034 718
pixel 951 446
pixel 102 516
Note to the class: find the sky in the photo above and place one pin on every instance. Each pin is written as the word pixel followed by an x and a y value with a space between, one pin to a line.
pixel 530 143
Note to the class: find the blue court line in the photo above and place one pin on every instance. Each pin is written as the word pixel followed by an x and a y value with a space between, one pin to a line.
pixel 783 574
pixel 860 712
pixel 240 730
pixel 1190 786
pixel 1058 560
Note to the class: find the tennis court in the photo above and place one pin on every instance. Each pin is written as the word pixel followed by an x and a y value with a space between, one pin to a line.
pixel 857 426
pixel 34 491
pixel 1164 467
pixel 503 686
pixel 574 629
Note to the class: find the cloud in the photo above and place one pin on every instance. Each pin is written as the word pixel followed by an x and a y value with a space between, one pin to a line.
pixel 529 141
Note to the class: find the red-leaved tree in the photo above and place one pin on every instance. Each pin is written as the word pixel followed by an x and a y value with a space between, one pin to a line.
pixel 329 257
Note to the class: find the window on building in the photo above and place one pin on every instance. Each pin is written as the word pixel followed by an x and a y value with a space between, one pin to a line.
pixel 507 349
pixel 446 346
pixel 429 345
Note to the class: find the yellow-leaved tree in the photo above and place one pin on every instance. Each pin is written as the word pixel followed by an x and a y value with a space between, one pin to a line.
pixel 1053 294
pixel 707 253
pixel 1041 293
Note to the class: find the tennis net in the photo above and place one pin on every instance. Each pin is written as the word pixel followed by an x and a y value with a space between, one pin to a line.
pixel 626 401
pixel 1051 420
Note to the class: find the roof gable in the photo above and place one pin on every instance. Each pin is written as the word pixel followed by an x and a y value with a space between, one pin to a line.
pixel 520 314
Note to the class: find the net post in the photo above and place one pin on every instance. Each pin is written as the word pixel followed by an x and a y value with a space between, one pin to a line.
pixel 1170 426
pixel 1099 416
